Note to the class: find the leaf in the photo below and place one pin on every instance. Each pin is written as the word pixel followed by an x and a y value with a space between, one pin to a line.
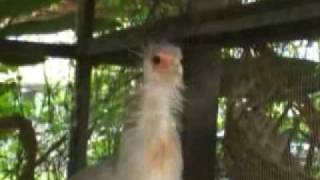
pixel 6 87
pixel 6 69
pixel 13 8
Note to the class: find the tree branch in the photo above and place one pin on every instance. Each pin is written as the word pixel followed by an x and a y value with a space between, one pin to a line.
pixel 28 140
pixel 53 147
pixel 299 74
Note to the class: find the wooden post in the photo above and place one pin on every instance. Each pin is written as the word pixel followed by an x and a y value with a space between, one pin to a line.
pixel 80 114
pixel 202 79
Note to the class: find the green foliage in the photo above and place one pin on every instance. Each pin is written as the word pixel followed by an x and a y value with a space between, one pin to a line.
pixel 8 158
pixel 10 148
pixel 9 8
pixel 9 91
pixel 111 87
pixel 50 112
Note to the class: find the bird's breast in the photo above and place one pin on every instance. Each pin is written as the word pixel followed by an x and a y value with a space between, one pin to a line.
pixel 161 154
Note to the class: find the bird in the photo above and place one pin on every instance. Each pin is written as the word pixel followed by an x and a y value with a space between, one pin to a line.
pixel 150 146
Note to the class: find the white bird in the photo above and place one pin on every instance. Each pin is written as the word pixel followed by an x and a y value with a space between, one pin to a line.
pixel 150 147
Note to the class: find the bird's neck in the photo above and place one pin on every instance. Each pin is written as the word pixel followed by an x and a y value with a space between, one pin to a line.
pixel 159 104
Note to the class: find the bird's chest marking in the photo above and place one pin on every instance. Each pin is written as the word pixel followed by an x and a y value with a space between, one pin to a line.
pixel 159 154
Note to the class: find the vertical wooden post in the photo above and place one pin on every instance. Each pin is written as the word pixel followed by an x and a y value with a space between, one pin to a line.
pixel 80 114
pixel 202 78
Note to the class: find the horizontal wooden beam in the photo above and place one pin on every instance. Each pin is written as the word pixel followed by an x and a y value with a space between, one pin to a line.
pixel 20 53
pixel 42 26
pixel 14 46
pixel 52 25
pixel 264 21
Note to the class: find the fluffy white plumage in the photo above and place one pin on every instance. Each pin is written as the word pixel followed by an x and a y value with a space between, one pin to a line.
pixel 150 146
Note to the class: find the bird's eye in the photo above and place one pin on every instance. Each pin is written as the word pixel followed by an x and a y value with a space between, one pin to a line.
pixel 156 60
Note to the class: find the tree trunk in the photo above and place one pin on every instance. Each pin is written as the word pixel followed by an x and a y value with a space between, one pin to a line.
pixel 255 146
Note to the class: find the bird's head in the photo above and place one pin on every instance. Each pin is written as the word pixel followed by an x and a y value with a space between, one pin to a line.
pixel 162 64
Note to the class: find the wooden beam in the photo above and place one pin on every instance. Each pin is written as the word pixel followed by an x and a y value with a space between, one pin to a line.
pixel 263 21
pixel 30 49
pixel 201 107
pixel 119 58
pixel 42 26
pixel 232 68
pixel 80 118
pixel 260 22
pixel 200 113
pixel 52 25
